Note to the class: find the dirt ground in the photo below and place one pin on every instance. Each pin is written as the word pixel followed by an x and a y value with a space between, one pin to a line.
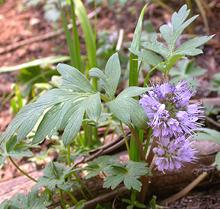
pixel 19 23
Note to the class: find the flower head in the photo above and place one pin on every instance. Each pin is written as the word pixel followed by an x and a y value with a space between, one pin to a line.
pixel 171 154
pixel 168 110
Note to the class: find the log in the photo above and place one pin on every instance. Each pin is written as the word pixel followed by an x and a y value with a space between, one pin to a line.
pixel 162 184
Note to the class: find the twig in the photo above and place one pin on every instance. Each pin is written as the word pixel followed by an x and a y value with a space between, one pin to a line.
pixel 186 190
pixel 104 198
pixel 42 37
pixel 105 149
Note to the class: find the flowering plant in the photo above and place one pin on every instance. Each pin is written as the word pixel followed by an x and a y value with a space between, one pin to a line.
pixel 173 119
pixel 163 110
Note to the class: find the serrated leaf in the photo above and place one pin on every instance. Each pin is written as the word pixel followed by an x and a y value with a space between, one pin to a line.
pixel 128 174
pixel 98 165
pixel 31 200
pixel 55 176
pixel 113 181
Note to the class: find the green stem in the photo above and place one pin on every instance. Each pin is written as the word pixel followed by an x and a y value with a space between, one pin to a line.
pixel 138 142
pixel 79 180
pixel 23 172
pixel 125 138
pixel 149 132
pixel 72 197
pixel 63 205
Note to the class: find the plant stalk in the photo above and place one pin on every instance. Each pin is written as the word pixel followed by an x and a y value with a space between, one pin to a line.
pixel 22 171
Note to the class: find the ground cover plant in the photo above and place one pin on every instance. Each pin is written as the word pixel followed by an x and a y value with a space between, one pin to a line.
pixel 156 121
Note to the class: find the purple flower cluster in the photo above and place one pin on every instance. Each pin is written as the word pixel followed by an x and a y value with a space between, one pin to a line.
pixel 172 119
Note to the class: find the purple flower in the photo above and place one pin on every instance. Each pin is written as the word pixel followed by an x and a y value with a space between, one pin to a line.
pixel 169 112
pixel 171 154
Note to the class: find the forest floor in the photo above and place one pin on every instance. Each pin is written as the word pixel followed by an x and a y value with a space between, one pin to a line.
pixel 19 23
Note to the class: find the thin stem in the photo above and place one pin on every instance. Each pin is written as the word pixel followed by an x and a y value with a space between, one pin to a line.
pixel 78 179
pixel 147 140
pixel 23 172
pixel 125 138
pixel 73 199
pixel 63 205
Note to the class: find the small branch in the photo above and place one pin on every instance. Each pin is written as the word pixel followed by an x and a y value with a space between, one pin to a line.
pixel 186 190
pixel 23 172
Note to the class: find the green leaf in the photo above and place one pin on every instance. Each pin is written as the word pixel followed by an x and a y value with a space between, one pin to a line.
pixel 87 31
pixel 110 77
pixel 150 57
pixel 135 44
pixel 62 107
pixel 132 91
pixel 73 79
pixel 30 201
pixel 127 109
pixel 50 123
pixel 154 45
pixel 128 174
pixel 186 70
pixel 55 176
pixel 98 165
pixel 217 160
pixel 93 107
pixel 215 83
pixel 172 32
pixel 207 134
pixel 73 126
pixel 112 72
pixel 190 47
